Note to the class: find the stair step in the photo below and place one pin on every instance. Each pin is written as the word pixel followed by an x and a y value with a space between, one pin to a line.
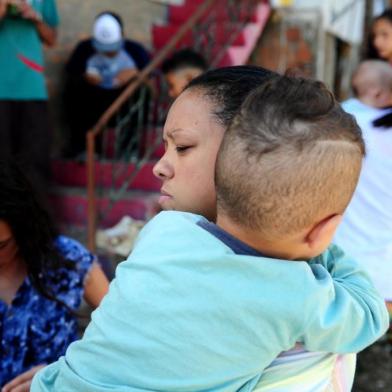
pixel 178 14
pixel 239 54
pixel 162 34
pixel 74 174
pixel 70 205
pixel 239 51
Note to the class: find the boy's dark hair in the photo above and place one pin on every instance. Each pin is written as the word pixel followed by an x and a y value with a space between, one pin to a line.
pixel 290 158
pixel 228 87
pixel 184 58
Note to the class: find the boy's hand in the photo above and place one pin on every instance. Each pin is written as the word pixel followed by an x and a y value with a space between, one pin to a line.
pixel 22 383
pixel 28 12
pixel 3 7
pixel 93 78
pixel 124 76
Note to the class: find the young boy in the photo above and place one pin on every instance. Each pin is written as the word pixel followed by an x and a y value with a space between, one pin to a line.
pixel 181 68
pixel 111 66
pixel 199 306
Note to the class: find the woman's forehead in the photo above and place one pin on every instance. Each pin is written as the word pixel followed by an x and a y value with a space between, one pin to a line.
pixel 189 109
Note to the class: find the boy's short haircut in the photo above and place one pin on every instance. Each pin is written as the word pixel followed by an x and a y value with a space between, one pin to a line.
pixel 290 158
pixel 182 59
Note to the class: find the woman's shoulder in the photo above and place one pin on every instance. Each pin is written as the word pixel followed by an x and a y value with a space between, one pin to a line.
pixel 67 281
pixel 72 250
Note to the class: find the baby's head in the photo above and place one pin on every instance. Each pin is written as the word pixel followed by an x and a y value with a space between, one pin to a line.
pixel 108 33
pixel 182 67
pixel 193 132
pixel 372 83
pixel 287 168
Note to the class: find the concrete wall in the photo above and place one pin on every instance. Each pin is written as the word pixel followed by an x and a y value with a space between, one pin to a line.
pixel 289 42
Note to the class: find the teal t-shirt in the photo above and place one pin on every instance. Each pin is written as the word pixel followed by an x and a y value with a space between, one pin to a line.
pixel 186 314
pixel 21 54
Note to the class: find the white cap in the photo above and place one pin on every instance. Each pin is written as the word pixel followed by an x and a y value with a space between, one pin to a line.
pixel 107 34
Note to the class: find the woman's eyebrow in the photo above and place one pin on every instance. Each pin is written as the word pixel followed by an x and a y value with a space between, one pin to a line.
pixel 171 133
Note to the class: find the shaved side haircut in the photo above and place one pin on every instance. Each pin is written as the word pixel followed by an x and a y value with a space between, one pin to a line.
pixel 290 158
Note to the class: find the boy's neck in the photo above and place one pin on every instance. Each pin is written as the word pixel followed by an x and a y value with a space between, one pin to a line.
pixel 281 249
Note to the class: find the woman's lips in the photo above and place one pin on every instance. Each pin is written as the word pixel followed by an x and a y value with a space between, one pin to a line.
pixel 164 197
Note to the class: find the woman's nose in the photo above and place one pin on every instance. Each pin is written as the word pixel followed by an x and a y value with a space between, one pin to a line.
pixel 162 169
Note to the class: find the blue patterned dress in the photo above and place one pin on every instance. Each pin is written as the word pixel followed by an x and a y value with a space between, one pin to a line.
pixel 35 330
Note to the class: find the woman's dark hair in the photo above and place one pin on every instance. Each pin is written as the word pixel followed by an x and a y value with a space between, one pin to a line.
pixel 371 50
pixel 31 226
pixel 229 86
pixel 384 121
pixel 387 14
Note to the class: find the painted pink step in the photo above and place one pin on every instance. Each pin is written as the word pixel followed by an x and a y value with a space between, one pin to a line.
pixel 159 151
pixel 71 206
pixel 235 54
pixel 74 174
pixel 178 14
pixel 238 55
pixel 162 34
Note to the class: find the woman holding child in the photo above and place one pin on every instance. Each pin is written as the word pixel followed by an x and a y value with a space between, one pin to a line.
pixel 168 325
pixel 187 174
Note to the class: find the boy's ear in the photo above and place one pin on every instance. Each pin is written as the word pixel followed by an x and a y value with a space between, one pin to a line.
pixel 192 73
pixel 321 234
pixel 189 76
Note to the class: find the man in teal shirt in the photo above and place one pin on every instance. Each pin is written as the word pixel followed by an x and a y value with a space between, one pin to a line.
pixel 24 128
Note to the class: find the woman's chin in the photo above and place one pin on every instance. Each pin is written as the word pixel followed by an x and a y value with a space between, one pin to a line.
pixel 165 202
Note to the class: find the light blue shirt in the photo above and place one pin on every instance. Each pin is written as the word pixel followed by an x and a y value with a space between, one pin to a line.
pixel 185 313
pixel 109 67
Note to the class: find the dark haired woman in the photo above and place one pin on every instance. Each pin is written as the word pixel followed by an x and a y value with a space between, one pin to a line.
pixel 381 37
pixel 43 277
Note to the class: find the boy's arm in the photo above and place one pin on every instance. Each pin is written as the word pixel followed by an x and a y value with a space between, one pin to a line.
pixel 348 313
pixel 93 74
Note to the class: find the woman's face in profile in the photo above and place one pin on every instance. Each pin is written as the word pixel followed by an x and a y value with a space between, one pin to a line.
pixel 8 246
pixel 192 136
pixel 382 38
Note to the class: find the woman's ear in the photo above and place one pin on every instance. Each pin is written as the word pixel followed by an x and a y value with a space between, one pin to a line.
pixel 321 234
